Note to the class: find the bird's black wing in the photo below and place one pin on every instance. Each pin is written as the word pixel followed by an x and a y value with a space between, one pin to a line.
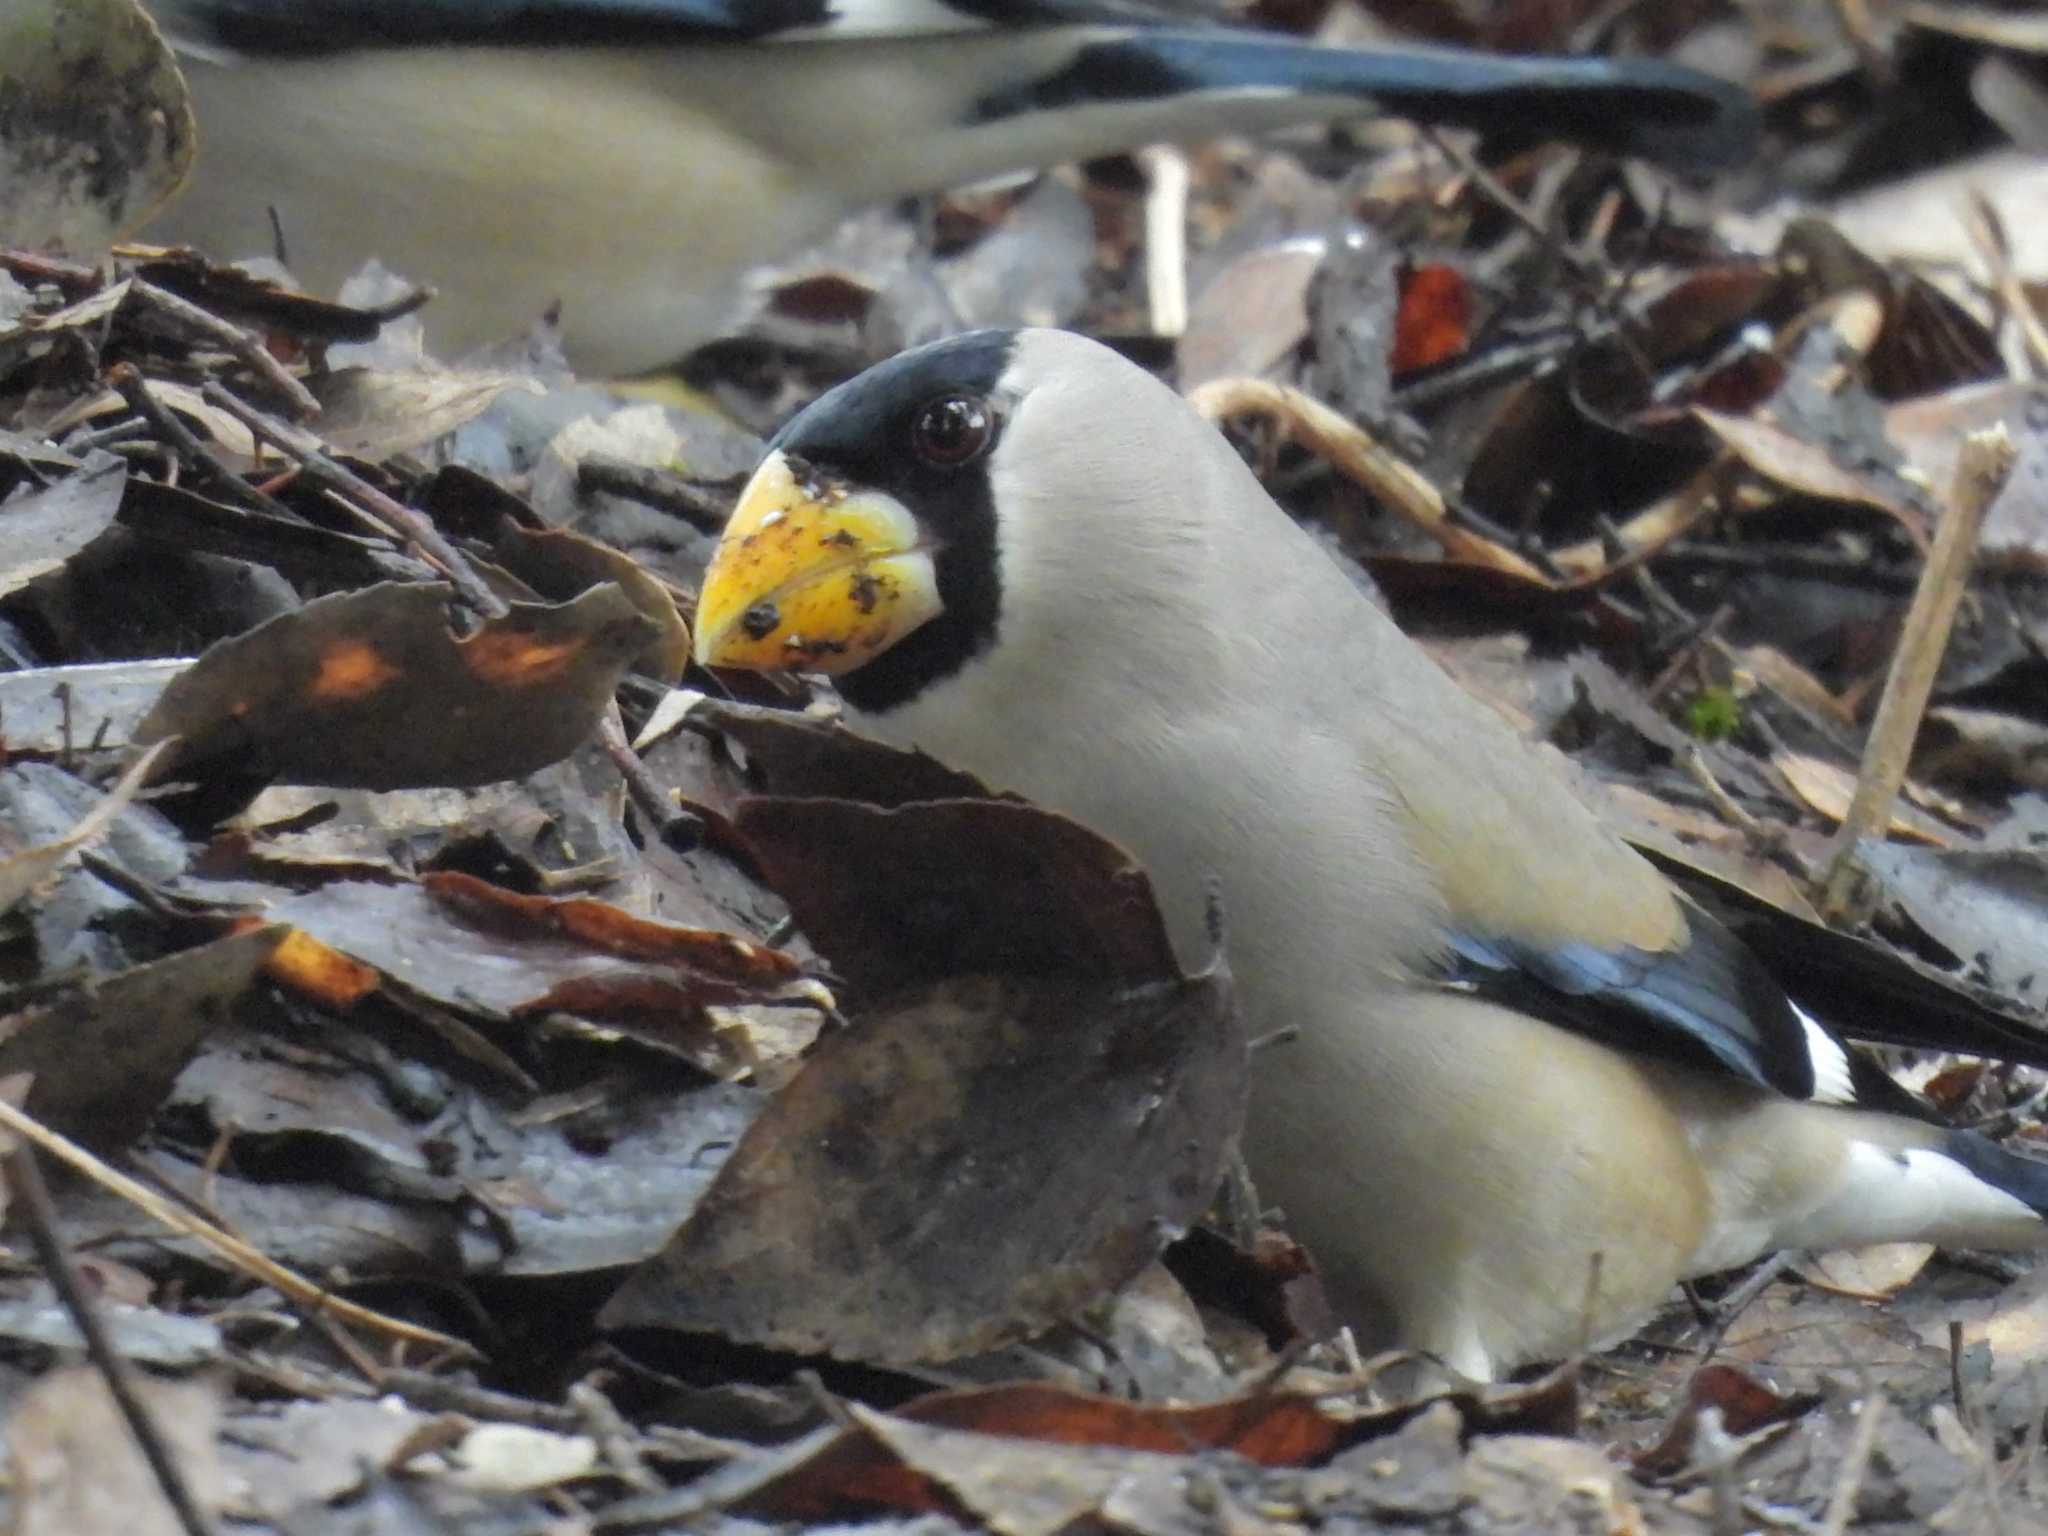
pixel 1145 51
pixel 1711 1002
pixel 318 26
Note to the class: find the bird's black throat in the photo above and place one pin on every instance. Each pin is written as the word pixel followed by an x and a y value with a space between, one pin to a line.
pixel 861 432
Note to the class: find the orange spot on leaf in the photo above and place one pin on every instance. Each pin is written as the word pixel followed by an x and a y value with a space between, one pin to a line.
pixel 326 975
pixel 351 669
pixel 512 660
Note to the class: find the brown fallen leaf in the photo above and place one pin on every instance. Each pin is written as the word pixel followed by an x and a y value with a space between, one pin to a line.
pixel 373 690
pixel 1874 1273
pixel 944 888
pixel 975 1161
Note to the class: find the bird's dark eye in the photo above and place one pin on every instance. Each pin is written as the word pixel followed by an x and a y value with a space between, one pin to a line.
pixel 952 430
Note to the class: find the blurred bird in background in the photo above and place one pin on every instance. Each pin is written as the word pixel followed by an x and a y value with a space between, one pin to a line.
pixel 621 161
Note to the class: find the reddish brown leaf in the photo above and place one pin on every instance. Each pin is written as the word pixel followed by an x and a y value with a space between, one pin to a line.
pixel 605 927
pixel 1434 320
pixel 1746 1405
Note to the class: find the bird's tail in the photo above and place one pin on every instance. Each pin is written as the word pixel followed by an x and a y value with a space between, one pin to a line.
pixel 1247 80
pixel 1908 1181
pixel 2024 1179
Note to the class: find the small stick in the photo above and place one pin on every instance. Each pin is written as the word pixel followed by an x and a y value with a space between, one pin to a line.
pixel 1842 1502
pixel 1957 1393
pixel 1166 238
pixel 1490 184
pixel 1981 470
pixel 1726 806
pixel 621 1443
pixel 232 1249
pixel 26 1179
pixel 679 829
pixel 1356 455
pixel 1987 232
pixel 703 510
pixel 1729 1309
pixel 401 521
pixel 128 382
pixel 245 344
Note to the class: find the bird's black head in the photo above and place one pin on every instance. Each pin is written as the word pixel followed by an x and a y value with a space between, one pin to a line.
pixel 922 428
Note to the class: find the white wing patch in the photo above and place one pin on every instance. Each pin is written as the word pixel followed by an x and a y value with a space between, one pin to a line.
pixel 1831 1081
pixel 886 18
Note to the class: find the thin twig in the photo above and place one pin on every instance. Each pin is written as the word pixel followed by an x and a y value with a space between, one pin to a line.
pixel 236 1252
pixel 393 516
pixel 661 489
pixel 188 449
pixel 26 1178
pixel 675 827
pixel 1987 231
pixel 1511 205
pixel 1729 1309
pixel 244 343
pixel 1166 237
pixel 1964 1410
pixel 1354 453
pixel 1725 805
pixel 1849 1482
pixel 1854 18
pixel 1981 470
pixel 620 1442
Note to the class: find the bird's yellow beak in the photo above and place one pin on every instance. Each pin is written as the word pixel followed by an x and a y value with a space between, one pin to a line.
pixel 812 575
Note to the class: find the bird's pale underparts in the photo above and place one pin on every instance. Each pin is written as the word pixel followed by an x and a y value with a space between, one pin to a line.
pixel 812 575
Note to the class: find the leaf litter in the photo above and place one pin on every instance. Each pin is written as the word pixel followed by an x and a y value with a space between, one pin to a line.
pixel 477 1122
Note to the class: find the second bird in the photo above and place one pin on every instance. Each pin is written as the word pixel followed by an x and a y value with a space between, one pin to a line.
pixel 625 160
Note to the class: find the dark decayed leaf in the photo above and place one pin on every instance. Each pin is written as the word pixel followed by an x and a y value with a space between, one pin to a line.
pixel 590 1182
pixel 105 1053
pixel 249 298
pixel 794 755
pixel 969 1165
pixel 953 887
pixel 41 529
pixel 987 1151
pixel 558 563
pixel 372 689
